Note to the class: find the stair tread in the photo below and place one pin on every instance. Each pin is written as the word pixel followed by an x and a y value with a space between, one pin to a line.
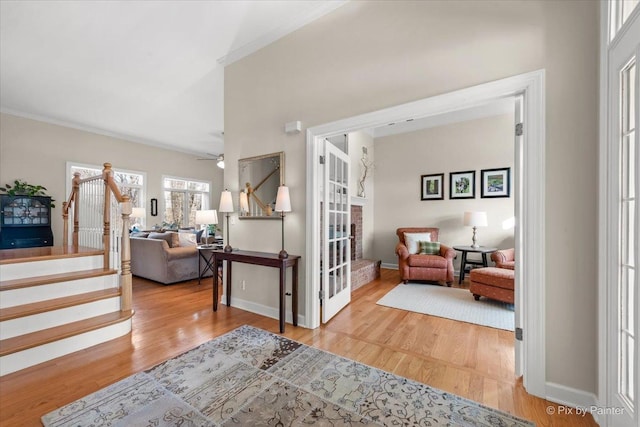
pixel 54 278
pixel 13 256
pixel 45 336
pixel 24 310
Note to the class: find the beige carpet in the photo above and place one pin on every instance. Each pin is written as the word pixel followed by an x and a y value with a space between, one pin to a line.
pixel 450 303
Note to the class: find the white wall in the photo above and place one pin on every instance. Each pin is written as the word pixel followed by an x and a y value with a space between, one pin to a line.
pixel 358 140
pixel 370 55
pixel 486 143
pixel 37 152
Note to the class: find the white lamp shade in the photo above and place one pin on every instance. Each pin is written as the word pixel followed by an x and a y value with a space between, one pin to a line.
pixel 244 202
pixel 207 217
pixel 226 202
pixel 283 202
pixel 138 213
pixel 475 219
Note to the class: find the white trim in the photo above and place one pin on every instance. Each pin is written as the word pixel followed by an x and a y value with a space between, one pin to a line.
pixel 100 131
pixel 603 208
pixel 264 310
pixel 389 265
pixel 583 401
pixel 532 218
pixel 279 32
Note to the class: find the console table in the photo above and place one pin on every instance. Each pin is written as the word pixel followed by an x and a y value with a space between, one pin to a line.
pixel 464 262
pixel 265 259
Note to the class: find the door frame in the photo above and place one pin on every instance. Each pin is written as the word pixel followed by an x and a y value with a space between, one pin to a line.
pixel 530 214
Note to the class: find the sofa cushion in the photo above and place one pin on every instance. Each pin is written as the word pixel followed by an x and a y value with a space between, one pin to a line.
pixel 430 248
pixel 171 238
pixel 142 234
pixel 411 241
pixel 427 261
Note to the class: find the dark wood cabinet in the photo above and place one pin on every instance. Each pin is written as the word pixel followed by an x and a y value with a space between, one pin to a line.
pixel 25 222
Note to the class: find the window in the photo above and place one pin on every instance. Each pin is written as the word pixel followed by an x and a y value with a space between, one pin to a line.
pixel 130 183
pixel 182 198
pixel 628 236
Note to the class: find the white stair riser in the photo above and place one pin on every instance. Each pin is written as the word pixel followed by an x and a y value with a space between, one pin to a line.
pixel 37 322
pixel 23 270
pixel 33 356
pixel 13 297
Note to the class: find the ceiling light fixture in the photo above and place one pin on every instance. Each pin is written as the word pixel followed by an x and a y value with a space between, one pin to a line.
pixel 220 162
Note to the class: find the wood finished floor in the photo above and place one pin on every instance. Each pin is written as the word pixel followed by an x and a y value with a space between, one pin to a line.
pixel 469 360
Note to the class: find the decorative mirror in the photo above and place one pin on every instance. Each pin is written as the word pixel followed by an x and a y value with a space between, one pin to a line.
pixel 260 178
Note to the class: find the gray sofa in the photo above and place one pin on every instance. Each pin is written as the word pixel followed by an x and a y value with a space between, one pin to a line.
pixel 154 259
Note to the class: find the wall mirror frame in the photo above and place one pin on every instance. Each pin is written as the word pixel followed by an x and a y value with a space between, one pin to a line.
pixel 260 177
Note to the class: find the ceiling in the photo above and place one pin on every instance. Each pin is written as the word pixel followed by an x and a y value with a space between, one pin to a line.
pixel 144 71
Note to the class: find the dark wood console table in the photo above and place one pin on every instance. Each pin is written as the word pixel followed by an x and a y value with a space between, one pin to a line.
pixel 265 259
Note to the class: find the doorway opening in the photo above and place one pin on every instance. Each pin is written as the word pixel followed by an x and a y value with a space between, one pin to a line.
pixel 529 208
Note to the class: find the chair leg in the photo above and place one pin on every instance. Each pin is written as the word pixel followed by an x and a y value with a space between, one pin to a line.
pixel 477 297
pixel 405 281
pixel 449 284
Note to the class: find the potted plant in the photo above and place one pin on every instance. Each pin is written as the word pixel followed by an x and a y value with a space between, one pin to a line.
pixel 22 188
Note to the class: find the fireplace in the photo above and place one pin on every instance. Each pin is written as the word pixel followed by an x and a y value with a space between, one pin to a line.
pixel 363 270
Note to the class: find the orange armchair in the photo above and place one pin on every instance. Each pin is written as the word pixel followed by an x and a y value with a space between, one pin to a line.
pixel 504 258
pixel 421 266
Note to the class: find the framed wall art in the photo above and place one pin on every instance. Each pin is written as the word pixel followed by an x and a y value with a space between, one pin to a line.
pixel 496 182
pixel 431 187
pixel 462 185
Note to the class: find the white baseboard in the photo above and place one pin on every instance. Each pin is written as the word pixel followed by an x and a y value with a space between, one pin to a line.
pixel 264 310
pixel 389 266
pixel 573 398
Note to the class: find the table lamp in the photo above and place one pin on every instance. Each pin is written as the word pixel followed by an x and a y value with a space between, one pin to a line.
pixel 475 219
pixel 226 206
pixel 283 204
pixel 207 218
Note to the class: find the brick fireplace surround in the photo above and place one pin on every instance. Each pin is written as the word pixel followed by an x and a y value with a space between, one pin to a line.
pixel 363 271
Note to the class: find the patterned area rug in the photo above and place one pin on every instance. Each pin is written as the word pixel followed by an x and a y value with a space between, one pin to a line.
pixel 250 377
pixel 450 303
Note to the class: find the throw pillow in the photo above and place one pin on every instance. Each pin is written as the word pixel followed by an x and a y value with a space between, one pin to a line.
pixel 171 238
pixel 187 239
pixel 430 248
pixel 411 241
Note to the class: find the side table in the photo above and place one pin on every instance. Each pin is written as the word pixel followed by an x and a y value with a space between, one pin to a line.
pixel 205 254
pixel 464 262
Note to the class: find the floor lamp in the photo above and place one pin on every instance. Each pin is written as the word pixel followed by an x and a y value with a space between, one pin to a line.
pixel 283 204
pixel 226 206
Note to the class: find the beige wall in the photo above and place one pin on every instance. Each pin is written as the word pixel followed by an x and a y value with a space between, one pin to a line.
pixel 369 55
pixel 485 143
pixel 38 152
pixel 358 140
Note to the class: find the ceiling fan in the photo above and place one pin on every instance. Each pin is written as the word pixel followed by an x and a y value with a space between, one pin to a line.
pixel 219 158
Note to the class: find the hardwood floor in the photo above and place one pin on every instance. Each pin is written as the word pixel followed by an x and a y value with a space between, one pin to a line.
pixel 469 360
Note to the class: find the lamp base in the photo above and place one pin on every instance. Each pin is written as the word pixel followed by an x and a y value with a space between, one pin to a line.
pixel 283 254
pixel 228 248
pixel 475 246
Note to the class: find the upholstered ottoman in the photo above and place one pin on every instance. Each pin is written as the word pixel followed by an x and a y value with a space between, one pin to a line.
pixel 492 282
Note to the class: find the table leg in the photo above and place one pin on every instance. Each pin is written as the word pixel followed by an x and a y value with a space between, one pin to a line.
pixel 199 268
pixel 485 263
pixel 294 292
pixel 229 263
pixel 215 287
pixel 463 263
pixel 283 280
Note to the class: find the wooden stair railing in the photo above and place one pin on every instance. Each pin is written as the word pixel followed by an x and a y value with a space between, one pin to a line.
pixel 90 203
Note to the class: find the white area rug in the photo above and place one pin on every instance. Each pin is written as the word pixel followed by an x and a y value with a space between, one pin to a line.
pixel 450 303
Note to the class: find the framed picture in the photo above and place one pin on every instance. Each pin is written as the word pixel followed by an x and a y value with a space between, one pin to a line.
pixel 496 182
pixel 462 185
pixel 431 187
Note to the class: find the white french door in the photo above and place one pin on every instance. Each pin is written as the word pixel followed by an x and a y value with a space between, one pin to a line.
pixel 336 245
pixel 622 280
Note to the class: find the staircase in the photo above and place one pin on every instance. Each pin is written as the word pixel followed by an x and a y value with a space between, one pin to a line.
pixel 55 301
